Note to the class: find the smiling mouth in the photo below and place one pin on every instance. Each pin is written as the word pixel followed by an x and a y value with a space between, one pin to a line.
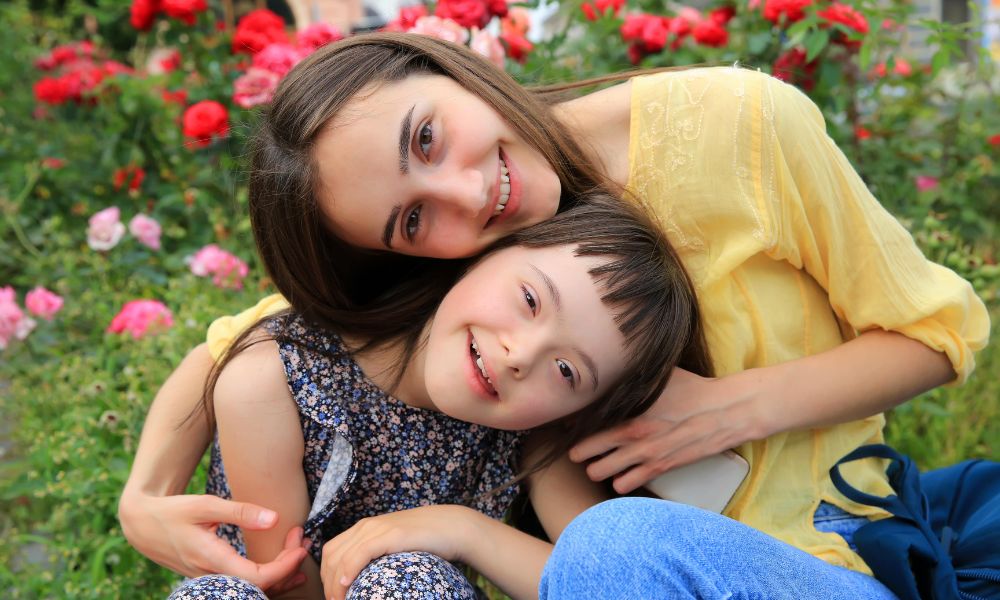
pixel 504 192
pixel 480 368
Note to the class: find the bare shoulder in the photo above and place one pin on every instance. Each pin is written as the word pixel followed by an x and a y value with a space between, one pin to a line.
pixel 601 121
pixel 255 374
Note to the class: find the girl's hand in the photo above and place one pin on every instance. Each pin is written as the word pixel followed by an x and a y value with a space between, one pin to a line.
pixel 178 532
pixel 695 417
pixel 440 530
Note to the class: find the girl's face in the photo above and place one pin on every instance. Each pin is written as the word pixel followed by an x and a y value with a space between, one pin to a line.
pixel 423 167
pixel 522 340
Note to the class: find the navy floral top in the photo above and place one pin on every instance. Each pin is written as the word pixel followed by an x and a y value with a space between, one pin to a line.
pixel 367 453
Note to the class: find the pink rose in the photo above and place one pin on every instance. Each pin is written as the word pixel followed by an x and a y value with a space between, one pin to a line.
pixel 255 87
pixel 226 270
pixel 142 317
pixel 43 303
pixel 925 182
pixel 278 58
pixel 13 323
pixel 443 29
pixel 488 45
pixel 318 35
pixel 106 229
pixel 146 230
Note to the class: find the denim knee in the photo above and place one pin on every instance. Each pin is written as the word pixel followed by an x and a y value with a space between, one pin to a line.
pixel 416 575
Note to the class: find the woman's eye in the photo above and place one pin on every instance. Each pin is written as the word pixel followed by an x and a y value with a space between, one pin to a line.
pixel 425 138
pixel 412 224
pixel 529 299
pixel 566 371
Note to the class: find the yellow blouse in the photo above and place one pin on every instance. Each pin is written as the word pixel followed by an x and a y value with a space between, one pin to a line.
pixel 791 255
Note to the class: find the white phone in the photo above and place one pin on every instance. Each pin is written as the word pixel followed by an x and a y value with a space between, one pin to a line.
pixel 709 483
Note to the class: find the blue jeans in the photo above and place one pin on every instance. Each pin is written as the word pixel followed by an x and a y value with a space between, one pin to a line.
pixel 646 548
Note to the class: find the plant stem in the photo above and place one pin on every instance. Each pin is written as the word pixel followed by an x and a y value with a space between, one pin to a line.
pixel 9 212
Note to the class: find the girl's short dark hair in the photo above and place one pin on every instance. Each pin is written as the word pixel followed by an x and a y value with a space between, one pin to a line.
pixel 650 294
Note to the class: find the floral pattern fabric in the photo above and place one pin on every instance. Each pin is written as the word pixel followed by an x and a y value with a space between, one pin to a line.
pixel 398 457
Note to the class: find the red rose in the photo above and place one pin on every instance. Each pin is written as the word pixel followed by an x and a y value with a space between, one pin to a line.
pixel 994 140
pixel 654 33
pixel 792 10
pixel 121 176
pixel 178 97
pixel 142 13
pixel 257 30
pixel 407 18
pixel 722 15
pixel 862 133
pixel 51 90
pixel 184 10
pixel 518 46
pixel 497 8
pixel 467 13
pixel 710 33
pixel 847 16
pixel 599 8
pixel 792 67
pixel 204 120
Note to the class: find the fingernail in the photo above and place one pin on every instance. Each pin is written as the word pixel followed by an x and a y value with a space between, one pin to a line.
pixel 266 518
pixel 344 581
pixel 307 543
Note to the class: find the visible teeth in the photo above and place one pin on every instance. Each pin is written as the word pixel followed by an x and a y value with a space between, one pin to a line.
pixel 504 189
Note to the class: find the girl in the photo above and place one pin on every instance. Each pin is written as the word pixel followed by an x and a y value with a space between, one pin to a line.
pixel 820 311
pixel 539 331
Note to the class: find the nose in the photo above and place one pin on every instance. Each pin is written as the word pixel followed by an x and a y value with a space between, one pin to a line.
pixel 462 189
pixel 523 350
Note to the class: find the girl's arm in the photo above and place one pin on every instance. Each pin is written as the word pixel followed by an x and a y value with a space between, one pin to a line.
pixel 177 531
pixel 698 416
pixel 511 559
pixel 260 439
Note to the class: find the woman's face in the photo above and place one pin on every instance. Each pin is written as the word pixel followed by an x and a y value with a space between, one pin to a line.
pixel 522 340
pixel 424 167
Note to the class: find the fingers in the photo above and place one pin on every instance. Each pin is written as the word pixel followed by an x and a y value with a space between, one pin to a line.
pixel 212 509
pixel 265 575
pixel 597 444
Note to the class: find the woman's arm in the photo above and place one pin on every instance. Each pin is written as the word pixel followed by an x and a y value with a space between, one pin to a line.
pixel 177 531
pixel 260 439
pixel 697 416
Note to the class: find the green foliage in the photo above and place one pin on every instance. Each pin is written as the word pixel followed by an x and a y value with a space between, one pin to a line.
pixel 73 397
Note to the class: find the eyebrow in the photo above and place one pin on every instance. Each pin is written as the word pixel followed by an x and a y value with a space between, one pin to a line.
pixel 557 301
pixel 390 226
pixel 404 141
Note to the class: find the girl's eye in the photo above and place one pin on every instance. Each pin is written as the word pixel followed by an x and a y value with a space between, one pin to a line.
pixel 567 372
pixel 412 224
pixel 426 139
pixel 529 299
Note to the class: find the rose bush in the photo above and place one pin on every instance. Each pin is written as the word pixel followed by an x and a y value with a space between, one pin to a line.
pixel 123 184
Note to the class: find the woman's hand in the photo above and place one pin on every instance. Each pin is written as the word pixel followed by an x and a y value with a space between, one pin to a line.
pixel 178 532
pixel 439 530
pixel 694 417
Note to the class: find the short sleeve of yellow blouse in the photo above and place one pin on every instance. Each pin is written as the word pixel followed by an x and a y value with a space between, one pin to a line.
pixel 224 330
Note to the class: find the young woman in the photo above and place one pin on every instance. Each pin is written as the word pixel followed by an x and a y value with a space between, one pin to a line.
pixel 820 311
pixel 539 332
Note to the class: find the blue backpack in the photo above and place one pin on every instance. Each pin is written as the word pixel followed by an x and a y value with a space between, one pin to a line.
pixel 943 540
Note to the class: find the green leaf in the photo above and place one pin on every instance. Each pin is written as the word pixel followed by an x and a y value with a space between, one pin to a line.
pixel 758 42
pixel 815 43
